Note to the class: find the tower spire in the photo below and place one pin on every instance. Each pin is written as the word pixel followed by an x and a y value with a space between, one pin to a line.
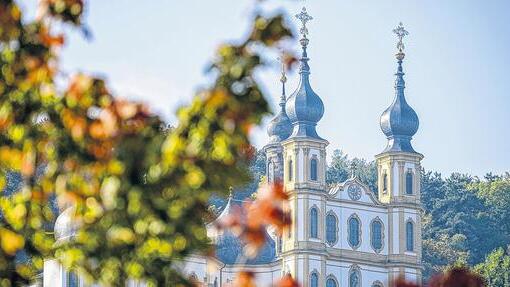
pixel 401 32
pixel 280 126
pixel 399 121
pixel 304 17
pixel 283 80
pixel 304 107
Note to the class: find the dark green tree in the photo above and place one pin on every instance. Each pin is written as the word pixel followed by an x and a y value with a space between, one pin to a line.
pixel 341 166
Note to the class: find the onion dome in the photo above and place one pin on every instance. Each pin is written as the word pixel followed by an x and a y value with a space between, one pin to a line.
pixel 304 107
pixel 280 126
pixel 399 122
pixel 65 225
pixel 230 249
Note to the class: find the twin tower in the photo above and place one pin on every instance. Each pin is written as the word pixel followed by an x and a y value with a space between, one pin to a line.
pixel 296 156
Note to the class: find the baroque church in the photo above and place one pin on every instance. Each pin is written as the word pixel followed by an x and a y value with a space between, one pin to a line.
pixel 341 236
pixel 345 235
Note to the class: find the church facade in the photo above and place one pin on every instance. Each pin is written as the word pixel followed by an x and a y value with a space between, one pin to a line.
pixel 343 235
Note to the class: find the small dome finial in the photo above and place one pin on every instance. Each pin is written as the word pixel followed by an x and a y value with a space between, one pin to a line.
pixel 304 17
pixel 230 192
pixel 283 78
pixel 401 32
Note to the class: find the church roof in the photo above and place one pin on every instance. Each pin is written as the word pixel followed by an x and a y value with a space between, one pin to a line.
pixel 230 248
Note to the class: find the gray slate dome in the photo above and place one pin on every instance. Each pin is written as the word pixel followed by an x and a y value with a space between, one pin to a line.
pixel 399 122
pixel 229 248
pixel 279 128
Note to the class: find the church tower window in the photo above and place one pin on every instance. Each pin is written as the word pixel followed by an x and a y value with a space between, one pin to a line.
pixel 314 280
pixel 354 231
pixel 313 169
pixel 331 229
pixel 270 171
pixel 290 170
pixel 385 182
pixel 314 223
pixel 376 237
pixel 409 182
pixel 409 236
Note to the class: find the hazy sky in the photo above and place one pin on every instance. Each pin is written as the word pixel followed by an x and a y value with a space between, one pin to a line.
pixel 457 67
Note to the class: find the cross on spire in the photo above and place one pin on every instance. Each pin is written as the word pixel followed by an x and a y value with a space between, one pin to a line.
pixel 281 59
pixel 353 169
pixel 283 78
pixel 304 17
pixel 401 32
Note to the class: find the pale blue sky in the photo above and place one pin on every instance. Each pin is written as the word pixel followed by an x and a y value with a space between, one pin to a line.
pixel 457 67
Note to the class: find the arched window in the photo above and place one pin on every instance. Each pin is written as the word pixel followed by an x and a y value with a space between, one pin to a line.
pixel 314 223
pixel 354 231
pixel 377 284
pixel 354 278
pixel 331 282
pixel 409 182
pixel 314 280
pixel 409 236
pixel 331 229
pixel 385 182
pixel 290 170
pixel 270 171
pixel 376 235
pixel 313 169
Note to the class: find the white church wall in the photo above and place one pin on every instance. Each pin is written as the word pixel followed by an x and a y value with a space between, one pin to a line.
pixel 300 219
pixel 195 265
pixel 366 214
pixel 340 270
pixel 371 274
pixel 395 184
pixel 410 274
pixel 52 275
pixel 300 169
pixel 396 230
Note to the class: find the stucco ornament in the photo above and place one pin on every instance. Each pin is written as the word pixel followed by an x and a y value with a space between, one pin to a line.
pixel 354 191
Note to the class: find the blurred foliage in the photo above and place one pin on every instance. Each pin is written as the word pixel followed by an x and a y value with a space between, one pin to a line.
pixel 453 277
pixel 138 193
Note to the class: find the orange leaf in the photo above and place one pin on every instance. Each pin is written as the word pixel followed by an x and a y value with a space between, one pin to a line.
pixel 245 279
pixel 287 281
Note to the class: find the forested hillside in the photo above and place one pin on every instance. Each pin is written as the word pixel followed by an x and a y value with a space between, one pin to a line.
pixel 466 218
